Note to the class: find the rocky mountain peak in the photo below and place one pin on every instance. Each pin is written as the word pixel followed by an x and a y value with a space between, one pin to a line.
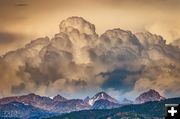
pixel 59 98
pixel 150 95
pixel 87 99
pixel 101 95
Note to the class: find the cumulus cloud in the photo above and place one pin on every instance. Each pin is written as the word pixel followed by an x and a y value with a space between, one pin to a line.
pixel 77 60
pixel 176 43
pixel 169 31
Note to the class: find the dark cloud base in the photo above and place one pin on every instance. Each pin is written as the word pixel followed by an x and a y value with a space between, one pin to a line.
pixel 117 80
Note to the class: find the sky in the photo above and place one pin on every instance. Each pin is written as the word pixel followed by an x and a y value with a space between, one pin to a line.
pixel 22 21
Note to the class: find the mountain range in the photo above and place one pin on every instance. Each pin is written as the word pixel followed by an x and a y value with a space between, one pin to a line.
pixel 148 110
pixel 35 106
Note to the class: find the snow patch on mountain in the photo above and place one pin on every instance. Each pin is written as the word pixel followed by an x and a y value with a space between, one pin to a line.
pixel 99 96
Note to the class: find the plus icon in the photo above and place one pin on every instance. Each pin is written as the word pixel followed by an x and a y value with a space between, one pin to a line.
pixel 172 111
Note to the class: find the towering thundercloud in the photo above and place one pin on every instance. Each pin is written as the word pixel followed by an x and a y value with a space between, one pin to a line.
pixel 77 61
